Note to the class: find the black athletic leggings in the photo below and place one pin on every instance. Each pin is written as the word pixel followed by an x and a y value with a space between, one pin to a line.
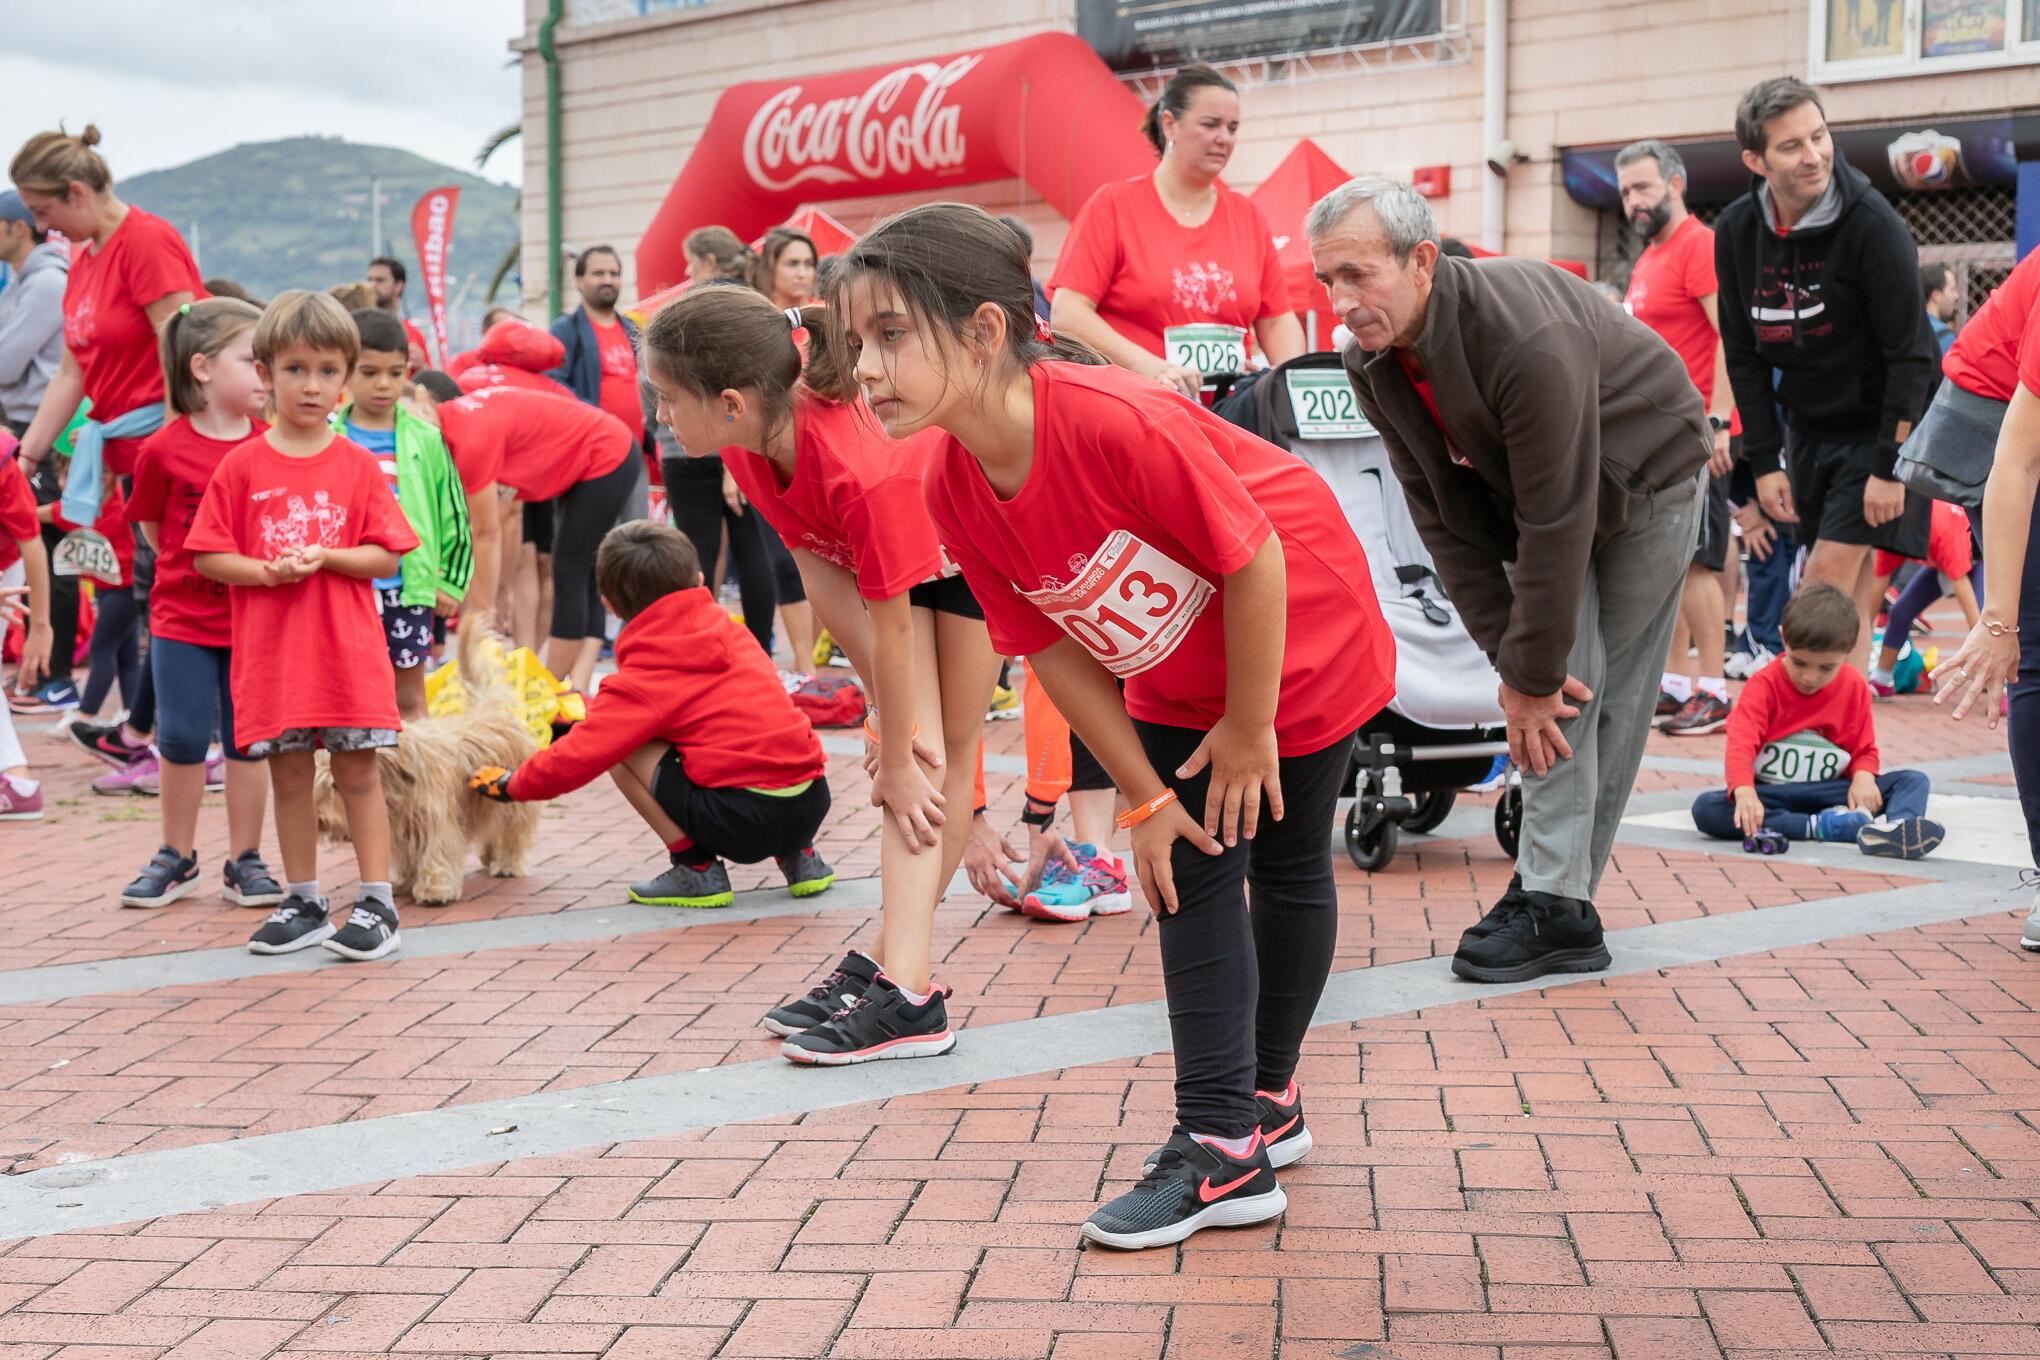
pixel 694 495
pixel 116 650
pixel 583 513
pixel 1242 983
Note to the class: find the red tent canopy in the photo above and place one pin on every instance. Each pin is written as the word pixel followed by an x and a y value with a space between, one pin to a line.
pixel 1305 175
pixel 830 236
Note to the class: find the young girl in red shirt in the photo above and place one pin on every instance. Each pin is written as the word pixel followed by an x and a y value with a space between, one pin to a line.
pixel 1115 529
pixel 215 397
pixel 847 500
pixel 298 522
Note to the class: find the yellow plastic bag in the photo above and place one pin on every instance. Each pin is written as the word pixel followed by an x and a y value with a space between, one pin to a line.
pixel 543 698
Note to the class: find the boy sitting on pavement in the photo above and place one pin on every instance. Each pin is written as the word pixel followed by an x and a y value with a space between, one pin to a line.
pixel 1802 754
pixel 695 728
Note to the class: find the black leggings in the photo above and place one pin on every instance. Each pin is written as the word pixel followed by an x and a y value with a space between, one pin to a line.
pixel 116 650
pixel 583 513
pixel 1086 774
pixel 785 571
pixel 694 494
pixel 1242 984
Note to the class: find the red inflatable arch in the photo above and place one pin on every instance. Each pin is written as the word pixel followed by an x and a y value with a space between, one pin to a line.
pixel 1044 110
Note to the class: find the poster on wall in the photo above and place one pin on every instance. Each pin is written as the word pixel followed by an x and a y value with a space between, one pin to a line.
pixel 1141 35
pixel 1865 30
pixel 1953 28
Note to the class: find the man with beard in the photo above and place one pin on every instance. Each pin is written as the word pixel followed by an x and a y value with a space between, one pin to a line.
pixel 1821 285
pixel 386 281
pixel 1548 446
pixel 1671 290
pixel 601 368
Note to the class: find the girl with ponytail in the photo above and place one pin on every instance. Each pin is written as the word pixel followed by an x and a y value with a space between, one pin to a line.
pixel 812 459
pixel 1117 531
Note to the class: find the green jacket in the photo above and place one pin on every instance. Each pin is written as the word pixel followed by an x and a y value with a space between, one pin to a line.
pixel 430 495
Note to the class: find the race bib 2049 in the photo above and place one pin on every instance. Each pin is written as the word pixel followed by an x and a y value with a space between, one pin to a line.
pixel 1131 605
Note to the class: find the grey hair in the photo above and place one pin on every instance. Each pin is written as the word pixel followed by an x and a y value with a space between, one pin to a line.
pixel 1669 163
pixel 1404 215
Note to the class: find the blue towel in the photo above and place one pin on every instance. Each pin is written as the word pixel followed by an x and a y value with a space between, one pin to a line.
pixel 81 488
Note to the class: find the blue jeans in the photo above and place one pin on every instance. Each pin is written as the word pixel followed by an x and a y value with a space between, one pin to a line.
pixel 1770 586
pixel 191 687
pixel 1788 806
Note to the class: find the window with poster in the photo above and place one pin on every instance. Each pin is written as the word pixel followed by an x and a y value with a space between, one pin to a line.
pixel 1875 39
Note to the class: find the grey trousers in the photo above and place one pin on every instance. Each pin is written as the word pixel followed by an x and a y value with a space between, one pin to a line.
pixel 1628 604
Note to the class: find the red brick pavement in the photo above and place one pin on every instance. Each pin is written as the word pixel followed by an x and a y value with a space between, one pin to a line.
pixel 1827 1149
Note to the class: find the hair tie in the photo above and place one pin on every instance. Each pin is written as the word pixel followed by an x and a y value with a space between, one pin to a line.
pixel 793 318
pixel 1041 331
pixel 184 310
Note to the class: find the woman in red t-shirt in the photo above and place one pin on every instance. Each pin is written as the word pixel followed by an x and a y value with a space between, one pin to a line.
pixel 847 500
pixel 130 273
pixel 1113 529
pixel 1166 273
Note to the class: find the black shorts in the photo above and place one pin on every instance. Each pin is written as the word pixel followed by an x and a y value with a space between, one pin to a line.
pixel 740 825
pixel 1827 490
pixel 1711 551
pixel 538 525
pixel 1085 772
pixel 946 595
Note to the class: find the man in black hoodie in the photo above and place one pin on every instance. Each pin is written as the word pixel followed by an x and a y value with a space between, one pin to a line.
pixel 1819 280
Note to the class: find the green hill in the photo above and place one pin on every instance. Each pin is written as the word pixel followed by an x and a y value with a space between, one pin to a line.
pixel 295 214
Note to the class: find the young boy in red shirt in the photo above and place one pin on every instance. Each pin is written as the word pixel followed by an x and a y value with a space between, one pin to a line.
pixel 695 728
pixel 1802 753
pixel 298 522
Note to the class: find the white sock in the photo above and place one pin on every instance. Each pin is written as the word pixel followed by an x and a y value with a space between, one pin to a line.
pixel 1231 1147
pixel 1879 675
pixel 1680 687
pixel 23 785
pixel 916 998
pixel 308 890
pixel 1716 685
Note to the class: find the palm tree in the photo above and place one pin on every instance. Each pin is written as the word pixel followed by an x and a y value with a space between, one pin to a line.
pixel 493 143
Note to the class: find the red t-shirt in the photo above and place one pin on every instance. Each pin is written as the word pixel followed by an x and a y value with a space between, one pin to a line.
pixel 1136 506
pixel 171 475
pixel 1771 708
pixel 106 327
pixel 18 523
pixel 1147 271
pixel 1665 287
pixel 1949 550
pixel 619 392
pixel 314 654
pixel 414 336
pixel 112 525
pixel 475 377
pixel 536 444
pixel 2000 347
pixel 855 499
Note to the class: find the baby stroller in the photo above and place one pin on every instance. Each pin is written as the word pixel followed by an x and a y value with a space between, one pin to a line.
pixel 1443 731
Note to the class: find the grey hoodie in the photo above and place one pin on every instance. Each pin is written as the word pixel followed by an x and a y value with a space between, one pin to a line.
pixel 32 330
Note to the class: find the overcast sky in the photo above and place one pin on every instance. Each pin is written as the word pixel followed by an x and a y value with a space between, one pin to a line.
pixel 170 83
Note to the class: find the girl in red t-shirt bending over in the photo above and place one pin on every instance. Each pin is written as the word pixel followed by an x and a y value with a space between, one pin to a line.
pixel 1113 528
pixel 848 502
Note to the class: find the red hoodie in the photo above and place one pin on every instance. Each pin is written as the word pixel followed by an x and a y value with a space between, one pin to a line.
pixel 689 675
pixel 1771 708
pixel 511 343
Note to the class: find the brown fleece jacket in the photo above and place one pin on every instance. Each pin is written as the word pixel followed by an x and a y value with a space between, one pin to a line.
pixel 1565 411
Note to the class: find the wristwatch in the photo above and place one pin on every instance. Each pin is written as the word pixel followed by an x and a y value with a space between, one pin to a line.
pixel 1036 814
pixel 1716 423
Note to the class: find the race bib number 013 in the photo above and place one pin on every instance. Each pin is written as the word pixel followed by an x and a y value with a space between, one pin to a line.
pixel 1207 348
pixel 1131 606
pixel 1325 405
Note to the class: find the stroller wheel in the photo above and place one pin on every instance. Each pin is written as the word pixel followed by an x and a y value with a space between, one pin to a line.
pixel 1371 847
pixel 1431 810
pixel 1509 819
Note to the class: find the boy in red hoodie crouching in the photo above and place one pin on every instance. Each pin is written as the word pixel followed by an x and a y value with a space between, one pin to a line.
pixel 695 727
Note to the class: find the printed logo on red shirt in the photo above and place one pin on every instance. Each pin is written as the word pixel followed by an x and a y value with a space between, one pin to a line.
pixel 1130 606
pixel 301 524
pixel 1204 286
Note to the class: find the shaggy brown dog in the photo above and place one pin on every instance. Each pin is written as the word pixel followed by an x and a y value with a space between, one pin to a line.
pixel 434 820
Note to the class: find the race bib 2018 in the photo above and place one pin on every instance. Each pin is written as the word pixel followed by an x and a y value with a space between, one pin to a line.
pixel 1802 758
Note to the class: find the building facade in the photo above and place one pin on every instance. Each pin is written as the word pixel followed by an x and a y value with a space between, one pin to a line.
pixel 638 80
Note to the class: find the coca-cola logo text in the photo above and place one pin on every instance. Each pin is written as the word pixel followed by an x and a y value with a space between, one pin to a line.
pixel 839 141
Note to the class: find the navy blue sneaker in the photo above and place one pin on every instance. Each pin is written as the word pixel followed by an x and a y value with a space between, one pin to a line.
pixel 162 881
pixel 1186 1187
pixel 51 696
pixel 1837 824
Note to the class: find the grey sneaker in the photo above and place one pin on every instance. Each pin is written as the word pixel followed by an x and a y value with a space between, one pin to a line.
pixel 686 885
pixel 1906 838
pixel 2029 938
pixel 249 882
pixel 162 881
pixel 370 933
pixel 295 924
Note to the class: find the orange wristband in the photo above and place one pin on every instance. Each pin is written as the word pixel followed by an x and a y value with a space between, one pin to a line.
pixel 872 732
pixel 1134 816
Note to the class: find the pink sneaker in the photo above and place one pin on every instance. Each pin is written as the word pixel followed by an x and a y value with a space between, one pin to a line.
pixel 137 779
pixel 16 806
pixel 1882 689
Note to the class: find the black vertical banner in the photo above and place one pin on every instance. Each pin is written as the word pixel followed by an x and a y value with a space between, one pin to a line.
pixel 1139 35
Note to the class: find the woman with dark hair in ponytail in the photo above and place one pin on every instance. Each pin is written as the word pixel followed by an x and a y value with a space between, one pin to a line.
pixel 1114 531
pixel 812 460
pixel 1167 273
